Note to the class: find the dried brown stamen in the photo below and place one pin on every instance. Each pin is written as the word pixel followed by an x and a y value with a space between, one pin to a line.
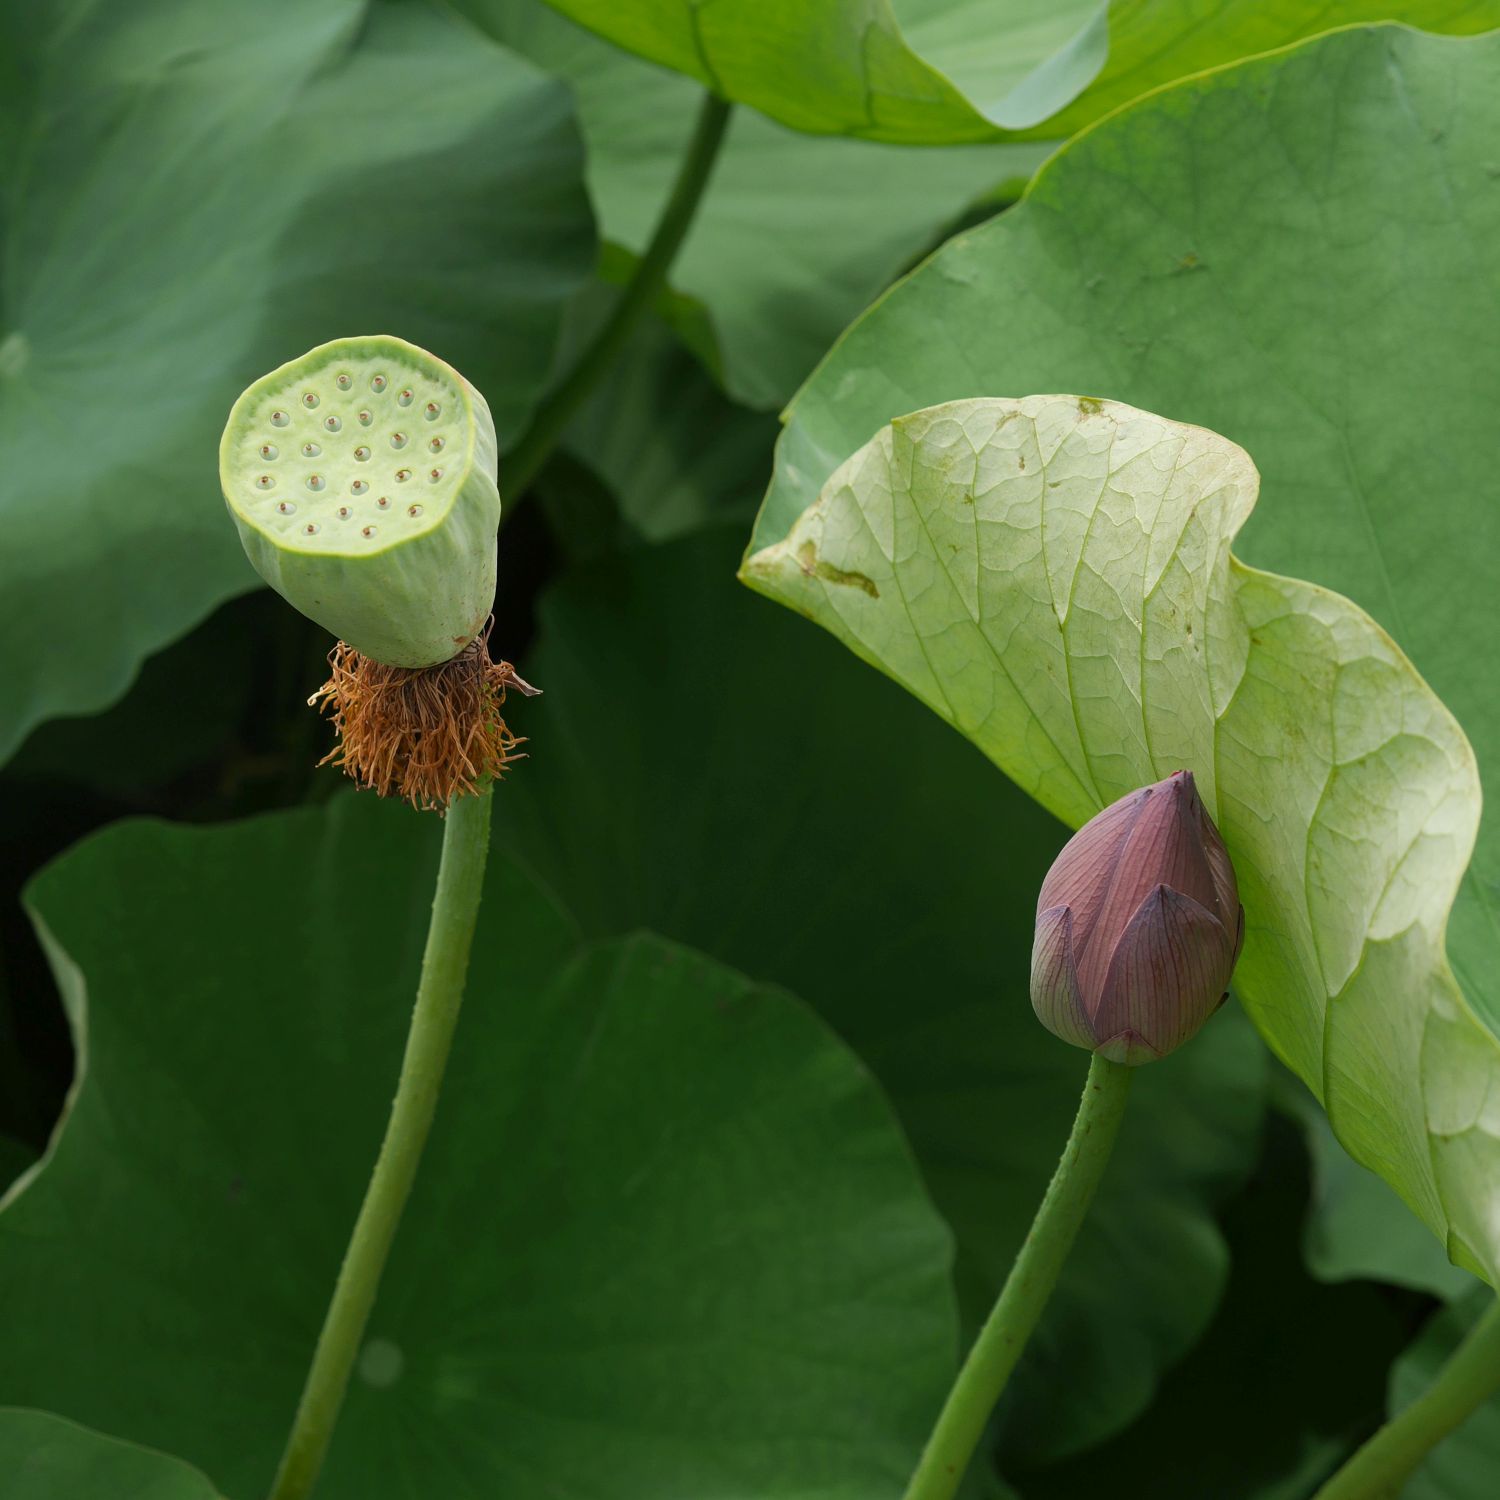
pixel 427 734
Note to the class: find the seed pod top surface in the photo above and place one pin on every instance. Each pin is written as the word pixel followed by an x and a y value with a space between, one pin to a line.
pixel 362 479
pixel 1139 926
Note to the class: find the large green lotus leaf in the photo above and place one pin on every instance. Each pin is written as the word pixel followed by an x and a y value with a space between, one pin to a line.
pixel 1052 575
pixel 712 769
pixel 44 1457
pixel 666 1242
pixel 1209 255
pixel 1464 1465
pixel 940 71
pixel 193 194
pixel 794 236
pixel 847 67
pixel 1156 42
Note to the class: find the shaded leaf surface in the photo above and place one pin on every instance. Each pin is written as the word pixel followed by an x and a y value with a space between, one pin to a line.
pixel 194 194
pixel 671 447
pixel 1208 254
pixel 46 1458
pixel 794 234
pixel 1357 1228
pixel 1301 1366
pixel 666 1240
pixel 716 771
pixel 1052 575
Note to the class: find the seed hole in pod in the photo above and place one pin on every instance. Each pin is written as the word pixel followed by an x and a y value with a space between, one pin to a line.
pixel 311 529
pixel 344 513
pixel 309 399
pixel 315 481
pixel 268 450
pixel 384 502
pixel 358 487
pixel 398 440
pixel 332 423
pixel 414 510
pixel 434 475
pixel 436 445
pixel 265 482
pixel 279 419
pixel 367 531
pixel 286 507
pixel 362 454
pixel 432 411
pixel 377 383
pixel 405 398
pixel 311 450
pixel 402 475
pixel 344 382
pixel 365 418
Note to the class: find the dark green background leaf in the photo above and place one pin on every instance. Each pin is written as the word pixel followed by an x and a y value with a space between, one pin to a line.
pixel 15 1157
pixel 666 1241
pixel 194 194
pixel 794 235
pixel 674 451
pixel 711 768
pixel 1357 1228
pixel 1299 1365
pixel 46 1458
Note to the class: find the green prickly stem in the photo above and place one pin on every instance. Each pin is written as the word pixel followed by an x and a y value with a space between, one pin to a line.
pixel 362 478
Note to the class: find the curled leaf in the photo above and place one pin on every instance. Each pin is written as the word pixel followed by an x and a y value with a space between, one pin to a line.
pixel 1053 576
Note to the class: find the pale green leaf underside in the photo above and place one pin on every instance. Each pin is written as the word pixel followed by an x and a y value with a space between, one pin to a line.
pixel 1053 576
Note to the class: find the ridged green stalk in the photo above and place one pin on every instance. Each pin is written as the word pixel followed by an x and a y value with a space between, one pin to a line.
pixel 1011 1322
pixel 445 962
pixel 1380 1468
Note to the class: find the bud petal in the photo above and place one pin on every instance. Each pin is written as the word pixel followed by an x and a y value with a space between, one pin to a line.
pixel 1167 976
pixel 1054 979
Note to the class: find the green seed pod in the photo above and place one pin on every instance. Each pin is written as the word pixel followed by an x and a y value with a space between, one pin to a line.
pixel 362 480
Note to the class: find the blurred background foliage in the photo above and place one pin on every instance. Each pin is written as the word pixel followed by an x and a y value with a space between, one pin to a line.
pixel 193 192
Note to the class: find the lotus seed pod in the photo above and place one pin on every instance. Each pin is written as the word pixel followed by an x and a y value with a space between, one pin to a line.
pixel 1138 927
pixel 362 480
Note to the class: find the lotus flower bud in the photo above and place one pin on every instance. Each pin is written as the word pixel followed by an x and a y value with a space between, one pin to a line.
pixel 1138 926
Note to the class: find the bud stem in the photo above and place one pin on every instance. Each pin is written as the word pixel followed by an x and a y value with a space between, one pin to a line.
pixel 440 992
pixel 1032 1278
pixel 1379 1469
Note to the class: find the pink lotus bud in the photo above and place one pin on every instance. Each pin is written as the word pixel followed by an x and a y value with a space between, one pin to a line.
pixel 1138 926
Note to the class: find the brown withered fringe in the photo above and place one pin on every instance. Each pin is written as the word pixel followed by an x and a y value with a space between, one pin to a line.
pixel 427 734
